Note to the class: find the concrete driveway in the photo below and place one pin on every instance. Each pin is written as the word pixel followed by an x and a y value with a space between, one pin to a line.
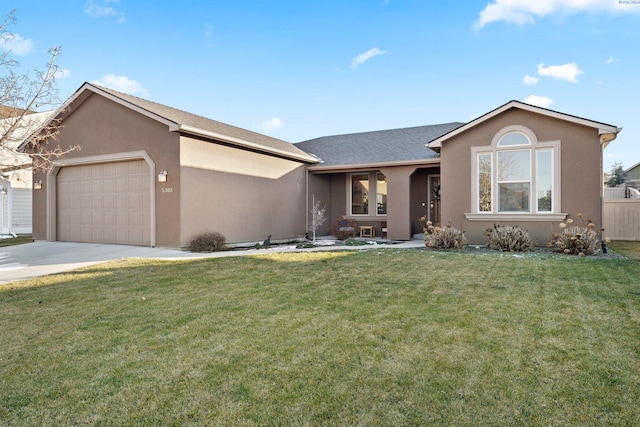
pixel 22 262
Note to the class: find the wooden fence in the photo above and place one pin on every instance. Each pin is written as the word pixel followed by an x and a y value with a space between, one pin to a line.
pixel 621 219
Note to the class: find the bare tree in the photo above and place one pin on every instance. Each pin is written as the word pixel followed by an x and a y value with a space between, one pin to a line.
pixel 22 95
pixel 318 216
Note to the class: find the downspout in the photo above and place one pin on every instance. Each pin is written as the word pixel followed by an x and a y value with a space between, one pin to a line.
pixel 306 200
pixel 605 139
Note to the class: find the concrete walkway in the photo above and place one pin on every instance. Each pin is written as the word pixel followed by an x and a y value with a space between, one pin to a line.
pixel 22 262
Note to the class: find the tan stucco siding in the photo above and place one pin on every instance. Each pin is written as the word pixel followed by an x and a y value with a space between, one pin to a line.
pixel 580 172
pixel 103 128
pixel 244 195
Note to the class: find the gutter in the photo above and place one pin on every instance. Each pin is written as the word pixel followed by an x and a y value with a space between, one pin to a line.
pixel 356 166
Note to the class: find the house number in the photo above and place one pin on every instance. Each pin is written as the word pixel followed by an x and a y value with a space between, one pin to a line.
pixel 167 190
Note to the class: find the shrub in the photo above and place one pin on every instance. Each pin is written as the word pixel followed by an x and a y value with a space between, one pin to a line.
pixel 208 242
pixel 343 228
pixel 355 242
pixel 447 237
pixel 508 238
pixel 576 239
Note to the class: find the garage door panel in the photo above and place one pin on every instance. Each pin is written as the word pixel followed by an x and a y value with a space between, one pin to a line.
pixel 105 203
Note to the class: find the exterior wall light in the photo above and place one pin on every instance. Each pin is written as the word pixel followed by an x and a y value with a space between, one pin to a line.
pixel 162 176
pixel 3 191
pixel 37 185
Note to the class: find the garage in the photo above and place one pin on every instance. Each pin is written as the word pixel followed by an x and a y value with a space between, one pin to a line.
pixel 105 203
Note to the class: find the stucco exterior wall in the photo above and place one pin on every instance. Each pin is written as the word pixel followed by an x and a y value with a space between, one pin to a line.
pixel 581 159
pixel 244 195
pixel 101 128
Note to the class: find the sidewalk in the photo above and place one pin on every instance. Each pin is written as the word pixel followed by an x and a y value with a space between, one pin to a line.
pixel 26 261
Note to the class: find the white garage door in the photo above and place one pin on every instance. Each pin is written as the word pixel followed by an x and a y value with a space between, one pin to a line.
pixel 105 203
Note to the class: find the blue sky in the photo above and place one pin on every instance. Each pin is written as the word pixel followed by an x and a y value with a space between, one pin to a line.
pixel 297 70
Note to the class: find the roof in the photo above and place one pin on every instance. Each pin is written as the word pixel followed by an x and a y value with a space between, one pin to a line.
pixel 383 147
pixel 192 124
pixel 632 167
pixel 607 132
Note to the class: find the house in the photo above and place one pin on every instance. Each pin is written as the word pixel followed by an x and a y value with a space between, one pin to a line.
pixel 148 174
pixel 15 170
pixel 516 165
pixel 633 176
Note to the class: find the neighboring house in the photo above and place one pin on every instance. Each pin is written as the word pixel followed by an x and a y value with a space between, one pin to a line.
pixel 633 176
pixel 15 172
pixel 518 164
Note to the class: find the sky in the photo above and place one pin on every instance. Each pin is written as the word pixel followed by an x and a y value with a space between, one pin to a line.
pixel 301 69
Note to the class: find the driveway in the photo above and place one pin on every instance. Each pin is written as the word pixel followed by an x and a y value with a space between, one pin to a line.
pixel 22 262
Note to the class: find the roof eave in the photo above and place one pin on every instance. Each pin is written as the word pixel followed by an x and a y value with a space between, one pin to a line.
pixel 603 128
pixel 190 130
pixel 362 166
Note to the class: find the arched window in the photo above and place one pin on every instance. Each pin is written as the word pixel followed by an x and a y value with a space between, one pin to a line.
pixel 516 174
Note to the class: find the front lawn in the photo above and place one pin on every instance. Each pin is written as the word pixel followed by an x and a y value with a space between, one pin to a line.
pixel 629 249
pixel 381 337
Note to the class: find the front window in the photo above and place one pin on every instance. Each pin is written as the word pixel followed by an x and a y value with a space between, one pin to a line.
pixel 484 182
pixel 544 180
pixel 514 180
pixel 381 193
pixel 516 174
pixel 360 194
pixel 367 193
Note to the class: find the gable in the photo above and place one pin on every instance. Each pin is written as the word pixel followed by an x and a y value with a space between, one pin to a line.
pixel 185 123
pixel 606 132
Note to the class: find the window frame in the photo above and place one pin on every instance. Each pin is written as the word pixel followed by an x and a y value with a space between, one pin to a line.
pixel 534 147
pixel 372 197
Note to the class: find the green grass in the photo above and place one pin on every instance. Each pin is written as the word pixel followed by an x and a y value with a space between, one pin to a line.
pixel 627 248
pixel 16 240
pixel 380 337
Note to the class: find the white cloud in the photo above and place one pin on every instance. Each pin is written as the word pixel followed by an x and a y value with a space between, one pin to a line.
pixel 62 73
pixel 15 43
pixel 103 10
pixel 540 101
pixel 122 84
pixel 523 12
pixel 567 72
pixel 529 80
pixel 364 57
pixel 272 124
pixel 611 60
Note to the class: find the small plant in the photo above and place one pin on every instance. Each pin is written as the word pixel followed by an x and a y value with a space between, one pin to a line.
pixel 576 239
pixel 355 242
pixel 447 237
pixel 318 217
pixel 508 238
pixel 306 245
pixel 208 242
pixel 343 228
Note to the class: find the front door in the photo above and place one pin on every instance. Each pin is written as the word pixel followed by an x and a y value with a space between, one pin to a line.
pixel 433 186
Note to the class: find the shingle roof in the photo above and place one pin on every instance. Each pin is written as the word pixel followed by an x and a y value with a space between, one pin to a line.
pixel 183 120
pixel 384 146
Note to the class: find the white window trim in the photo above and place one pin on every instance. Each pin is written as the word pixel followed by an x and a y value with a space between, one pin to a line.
pixel 493 149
